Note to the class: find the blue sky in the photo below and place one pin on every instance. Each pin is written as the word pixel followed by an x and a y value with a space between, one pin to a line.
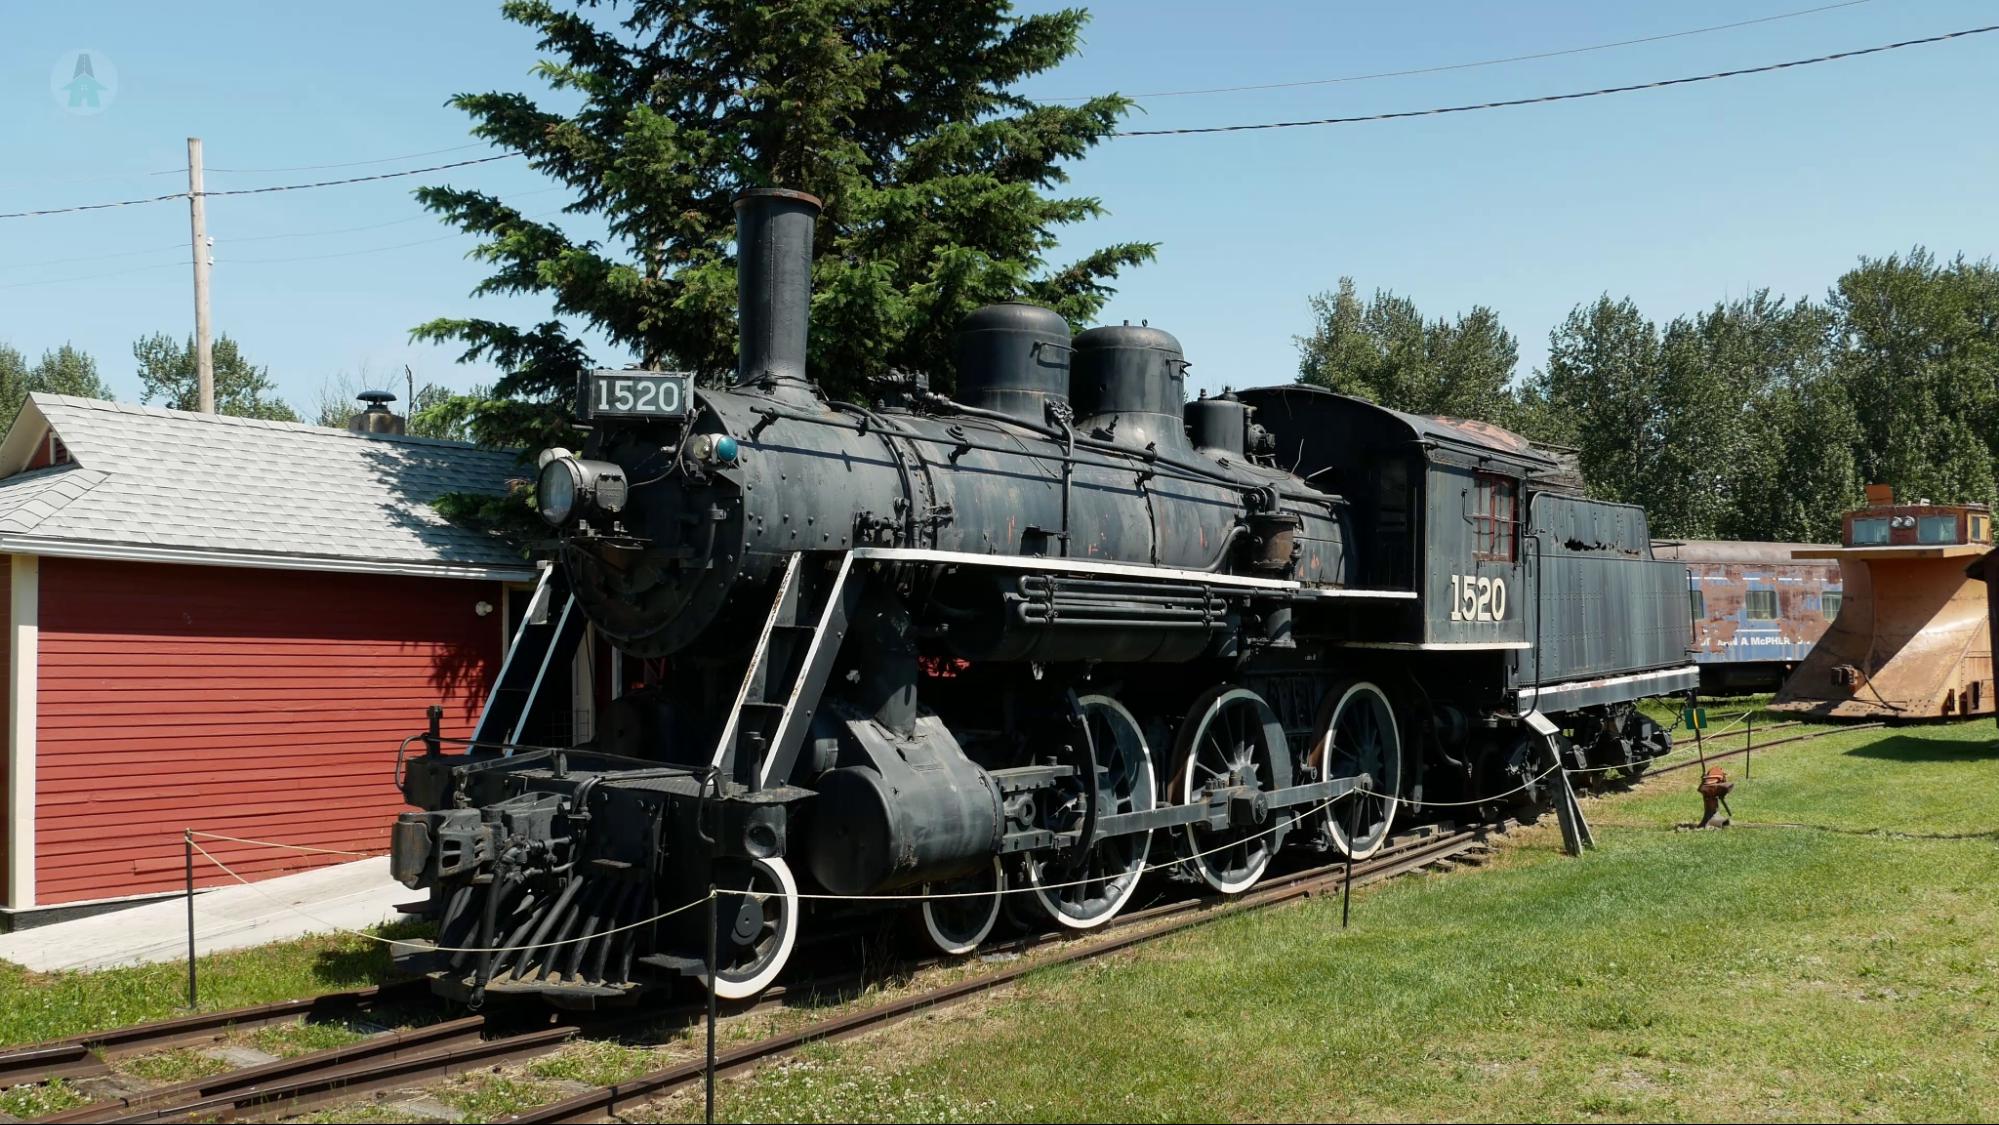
pixel 1677 197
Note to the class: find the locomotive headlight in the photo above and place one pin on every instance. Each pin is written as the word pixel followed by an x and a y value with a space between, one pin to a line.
pixel 571 487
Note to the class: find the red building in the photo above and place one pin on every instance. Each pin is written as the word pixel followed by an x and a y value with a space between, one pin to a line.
pixel 229 625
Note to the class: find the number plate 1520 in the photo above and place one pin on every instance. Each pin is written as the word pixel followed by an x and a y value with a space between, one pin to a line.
pixel 637 394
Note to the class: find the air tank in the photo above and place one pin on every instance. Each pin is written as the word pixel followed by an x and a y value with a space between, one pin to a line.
pixel 1219 425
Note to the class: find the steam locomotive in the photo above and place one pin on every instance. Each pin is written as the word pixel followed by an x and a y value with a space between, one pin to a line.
pixel 1042 640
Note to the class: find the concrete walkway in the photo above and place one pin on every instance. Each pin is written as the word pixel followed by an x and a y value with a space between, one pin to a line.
pixel 349 896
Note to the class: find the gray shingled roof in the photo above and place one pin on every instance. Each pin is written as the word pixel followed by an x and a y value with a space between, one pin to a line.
pixel 147 482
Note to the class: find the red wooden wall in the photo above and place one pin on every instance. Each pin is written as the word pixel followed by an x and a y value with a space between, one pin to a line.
pixel 265 704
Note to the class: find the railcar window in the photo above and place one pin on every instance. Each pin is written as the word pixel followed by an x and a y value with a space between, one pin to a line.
pixel 1699 603
pixel 1761 605
pixel 1870 533
pixel 1494 513
pixel 1936 529
pixel 1829 604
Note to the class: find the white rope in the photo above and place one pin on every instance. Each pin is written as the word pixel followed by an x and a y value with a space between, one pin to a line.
pixel 275 844
pixel 294 908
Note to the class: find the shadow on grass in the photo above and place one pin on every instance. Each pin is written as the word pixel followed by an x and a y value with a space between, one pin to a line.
pixel 1924 748
pixel 368 964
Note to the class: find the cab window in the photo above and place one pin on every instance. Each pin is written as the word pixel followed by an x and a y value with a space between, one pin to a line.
pixel 1495 511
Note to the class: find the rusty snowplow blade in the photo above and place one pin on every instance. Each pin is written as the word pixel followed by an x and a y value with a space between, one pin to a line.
pixel 1911 640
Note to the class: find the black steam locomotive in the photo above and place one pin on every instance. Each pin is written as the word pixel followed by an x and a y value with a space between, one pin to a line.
pixel 1053 632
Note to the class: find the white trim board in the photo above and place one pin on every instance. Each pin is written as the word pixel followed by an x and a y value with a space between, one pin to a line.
pixel 193 556
pixel 22 673
pixel 1074 565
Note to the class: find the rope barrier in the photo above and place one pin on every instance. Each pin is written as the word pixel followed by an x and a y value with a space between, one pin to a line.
pixel 296 909
pixel 288 847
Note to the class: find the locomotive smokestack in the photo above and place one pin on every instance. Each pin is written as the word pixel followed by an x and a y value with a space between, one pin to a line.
pixel 773 284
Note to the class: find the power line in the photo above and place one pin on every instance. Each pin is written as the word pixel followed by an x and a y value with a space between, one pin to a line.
pixel 260 190
pixel 369 250
pixel 360 163
pixel 1661 84
pixel 180 265
pixel 1490 62
pixel 374 226
pixel 92 257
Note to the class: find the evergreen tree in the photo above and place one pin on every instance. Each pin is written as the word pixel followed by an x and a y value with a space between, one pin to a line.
pixel 1385 352
pixel 167 371
pixel 936 179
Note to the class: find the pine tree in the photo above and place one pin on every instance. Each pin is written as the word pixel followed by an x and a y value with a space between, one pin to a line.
pixel 167 371
pixel 936 179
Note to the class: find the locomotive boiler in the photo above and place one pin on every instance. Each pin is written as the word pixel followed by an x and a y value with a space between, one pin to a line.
pixel 1051 636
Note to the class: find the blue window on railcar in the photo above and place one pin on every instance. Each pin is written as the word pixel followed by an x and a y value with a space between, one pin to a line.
pixel 1698 602
pixel 1829 603
pixel 1761 605
pixel 1936 529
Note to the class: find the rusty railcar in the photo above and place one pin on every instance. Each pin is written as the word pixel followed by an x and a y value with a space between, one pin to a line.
pixel 1756 611
pixel 1911 641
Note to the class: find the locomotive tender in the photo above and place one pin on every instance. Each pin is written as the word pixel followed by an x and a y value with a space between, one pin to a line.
pixel 1051 633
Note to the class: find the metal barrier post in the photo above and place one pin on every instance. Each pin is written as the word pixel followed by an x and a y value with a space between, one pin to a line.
pixel 712 923
pixel 187 839
pixel 1748 751
pixel 1346 883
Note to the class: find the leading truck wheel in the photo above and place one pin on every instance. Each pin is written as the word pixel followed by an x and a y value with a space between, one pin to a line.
pixel 756 916
pixel 1356 734
pixel 961 912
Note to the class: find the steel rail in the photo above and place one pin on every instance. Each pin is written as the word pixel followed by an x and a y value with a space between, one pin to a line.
pixel 85 1055
pixel 592 1105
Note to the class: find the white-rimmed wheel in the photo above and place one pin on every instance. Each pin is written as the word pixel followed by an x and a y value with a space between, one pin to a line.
pixel 1084 890
pixel 756 914
pixel 1356 734
pixel 964 911
pixel 1231 740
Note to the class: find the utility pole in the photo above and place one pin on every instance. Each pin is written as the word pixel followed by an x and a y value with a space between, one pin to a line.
pixel 204 353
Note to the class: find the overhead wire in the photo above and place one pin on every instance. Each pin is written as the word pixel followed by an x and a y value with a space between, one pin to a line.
pixel 260 190
pixel 1547 98
pixel 1448 67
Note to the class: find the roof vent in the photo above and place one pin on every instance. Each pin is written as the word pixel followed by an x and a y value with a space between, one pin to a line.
pixel 377 418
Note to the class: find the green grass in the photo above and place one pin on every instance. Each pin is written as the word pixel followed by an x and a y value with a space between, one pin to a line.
pixel 1840 970
pixel 26 1102
pixel 178 1065
pixel 37 1006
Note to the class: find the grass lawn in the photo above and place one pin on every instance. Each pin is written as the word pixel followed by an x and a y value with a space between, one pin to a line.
pixel 38 1006
pixel 1832 956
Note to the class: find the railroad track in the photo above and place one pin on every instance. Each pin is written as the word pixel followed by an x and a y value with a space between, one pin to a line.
pixel 401 1058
